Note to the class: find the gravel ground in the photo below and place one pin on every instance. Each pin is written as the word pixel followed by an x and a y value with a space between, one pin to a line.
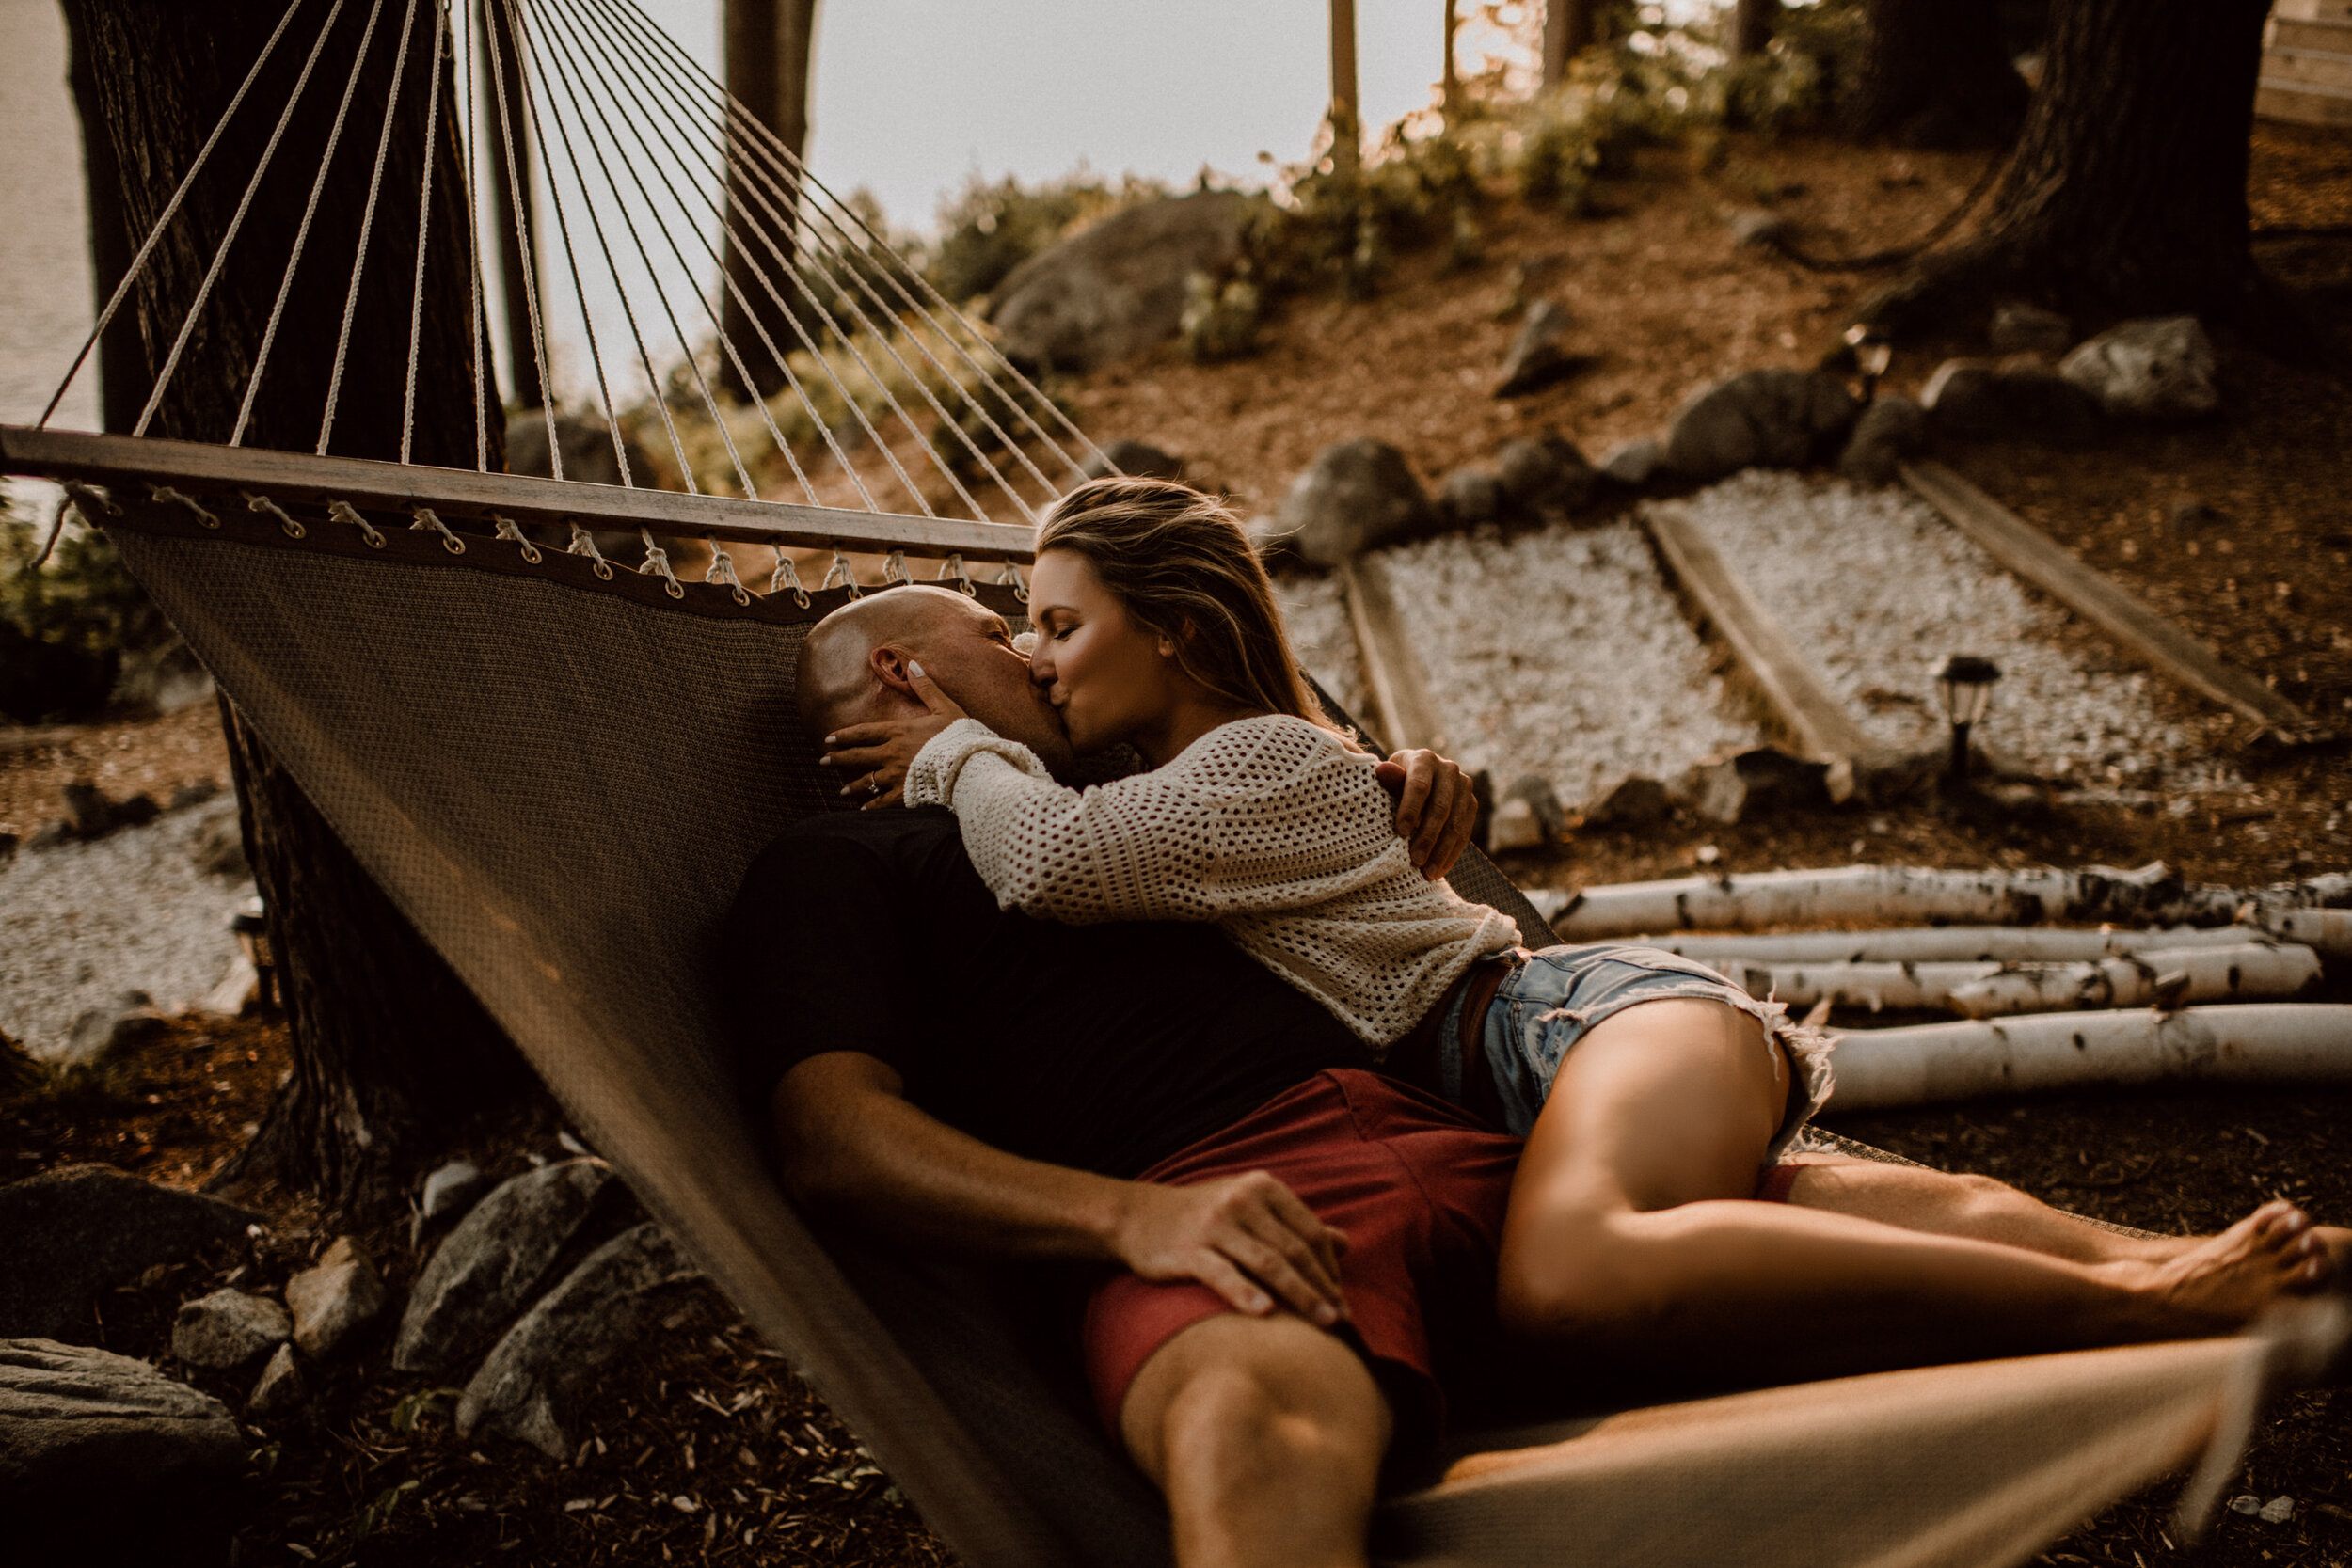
pixel 1316 614
pixel 81 923
pixel 1560 652
pixel 1878 590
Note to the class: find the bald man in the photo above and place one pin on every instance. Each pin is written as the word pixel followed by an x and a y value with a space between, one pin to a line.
pixel 954 1075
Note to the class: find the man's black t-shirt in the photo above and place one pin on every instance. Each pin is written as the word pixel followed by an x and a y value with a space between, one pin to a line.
pixel 1105 1048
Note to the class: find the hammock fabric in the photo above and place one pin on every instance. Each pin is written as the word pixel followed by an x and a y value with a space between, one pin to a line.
pixel 560 778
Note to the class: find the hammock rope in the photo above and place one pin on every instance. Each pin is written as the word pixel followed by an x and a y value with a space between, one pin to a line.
pixel 425 224
pixel 359 257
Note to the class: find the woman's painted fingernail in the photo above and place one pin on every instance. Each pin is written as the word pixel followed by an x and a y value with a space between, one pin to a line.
pixel 916 669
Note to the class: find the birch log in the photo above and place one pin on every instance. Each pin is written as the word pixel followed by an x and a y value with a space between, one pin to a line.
pixel 1951 944
pixel 1893 894
pixel 2246 973
pixel 2047 1052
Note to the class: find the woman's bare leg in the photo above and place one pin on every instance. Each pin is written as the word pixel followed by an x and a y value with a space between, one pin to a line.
pixel 1632 1232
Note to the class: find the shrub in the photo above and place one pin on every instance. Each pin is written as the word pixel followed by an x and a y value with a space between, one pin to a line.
pixel 66 628
pixel 988 230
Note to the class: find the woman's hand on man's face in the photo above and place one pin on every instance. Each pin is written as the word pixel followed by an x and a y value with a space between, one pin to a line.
pixel 876 755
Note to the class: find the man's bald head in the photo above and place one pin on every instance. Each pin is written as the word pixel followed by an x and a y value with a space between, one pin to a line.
pixel 838 680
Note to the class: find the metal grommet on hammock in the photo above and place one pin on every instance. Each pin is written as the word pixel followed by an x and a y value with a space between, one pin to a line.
pixel 263 503
pixel 343 512
pixel 840 568
pixel 723 570
pixel 788 576
pixel 583 543
pixel 953 567
pixel 895 569
pixel 510 533
pixel 427 519
pixel 1011 574
pixel 181 497
pixel 658 559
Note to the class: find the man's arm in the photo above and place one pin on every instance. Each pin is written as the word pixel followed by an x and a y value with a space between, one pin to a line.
pixel 854 1147
pixel 1435 808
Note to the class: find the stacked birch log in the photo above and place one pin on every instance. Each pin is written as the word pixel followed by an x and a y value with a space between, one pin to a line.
pixel 2175 982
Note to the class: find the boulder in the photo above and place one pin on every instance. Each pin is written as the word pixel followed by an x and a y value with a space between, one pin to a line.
pixel 282 1387
pixel 1633 462
pixel 1514 827
pixel 97 1450
pixel 530 1387
pixel 2021 329
pixel 1115 288
pixel 88 814
pixel 481 1275
pixel 337 1294
pixel 1759 784
pixel 1632 802
pixel 1356 495
pixel 586 446
pixel 1890 430
pixel 99 1032
pixel 1469 497
pixel 1135 459
pixel 2157 369
pixel 1551 817
pixel 1773 418
pixel 228 1329
pixel 194 793
pixel 1544 478
pixel 1539 354
pixel 448 1192
pixel 219 849
pixel 1758 226
pixel 79 1229
pixel 2020 397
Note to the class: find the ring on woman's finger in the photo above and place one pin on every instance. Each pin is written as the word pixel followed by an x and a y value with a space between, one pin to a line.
pixel 873 785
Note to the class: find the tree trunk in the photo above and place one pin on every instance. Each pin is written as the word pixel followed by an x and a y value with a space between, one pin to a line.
pixel 1346 117
pixel 507 120
pixel 2126 196
pixel 391 1053
pixel 770 46
pixel 1752 28
pixel 1568 31
pixel 1449 81
pixel 1937 73
pixel 121 367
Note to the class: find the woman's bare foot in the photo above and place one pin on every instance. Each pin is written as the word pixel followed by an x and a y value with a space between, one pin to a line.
pixel 2224 1282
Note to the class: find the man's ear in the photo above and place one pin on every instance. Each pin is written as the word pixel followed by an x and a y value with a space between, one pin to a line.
pixel 888 665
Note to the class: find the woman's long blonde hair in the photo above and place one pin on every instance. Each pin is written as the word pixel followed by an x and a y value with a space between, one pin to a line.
pixel 1184 568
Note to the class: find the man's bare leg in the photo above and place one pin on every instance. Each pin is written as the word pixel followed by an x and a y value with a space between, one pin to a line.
pixel 1266 1434
pixel 1629 1234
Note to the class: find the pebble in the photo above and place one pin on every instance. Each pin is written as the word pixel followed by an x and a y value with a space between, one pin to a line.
pixel 82 923
pixel 228 1329
pixel 1878 590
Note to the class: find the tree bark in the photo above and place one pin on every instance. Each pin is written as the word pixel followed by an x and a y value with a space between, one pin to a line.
pixel 121 368
pixel 1937 73
pixel 392 1055
pixel 1346 117
pixel 1752 28
pixel 508 118
pixel 1568 31
pixel 769 47
pixel 1449 81
pixel 2126 196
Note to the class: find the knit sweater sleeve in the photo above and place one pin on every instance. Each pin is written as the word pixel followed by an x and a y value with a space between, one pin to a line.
pixel 1260 815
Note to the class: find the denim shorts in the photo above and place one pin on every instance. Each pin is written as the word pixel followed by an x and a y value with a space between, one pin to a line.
pixel 1554 996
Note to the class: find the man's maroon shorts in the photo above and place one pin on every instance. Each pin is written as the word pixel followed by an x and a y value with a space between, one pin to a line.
pixel 1418 1187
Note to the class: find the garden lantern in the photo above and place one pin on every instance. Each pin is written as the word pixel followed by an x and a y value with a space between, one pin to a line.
pixel 1966 684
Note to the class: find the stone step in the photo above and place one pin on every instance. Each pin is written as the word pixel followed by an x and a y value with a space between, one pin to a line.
pixel 2334 36
pixel 2313 11
pixel 2304 103
pixel 2308 68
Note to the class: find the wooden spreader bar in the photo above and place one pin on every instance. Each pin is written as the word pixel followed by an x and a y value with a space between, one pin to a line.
pixel 461 496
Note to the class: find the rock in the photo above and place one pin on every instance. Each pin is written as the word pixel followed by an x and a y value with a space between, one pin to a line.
pixel 49 835
pixel 2246 1504
pixel 2016 398
pixel 1890 430
pixel 1135 459
pixel 587 449
pixel 1115 288
pixel 334 1296
pixel 1551 817
pixel 89 814
pixel 1355 496
pixel 91 1441
pixel 1469 497
pixel 1544 478
pixel 1633 462
pixel 2021 329
pixel 1634 802
pixel 1219 320
pixel 281 1388
pixel 2278 1511
pixel 1775 418
pixel 219 849
pixel 79 1229
pixel 1539 356
pixel 531 1385
pixel 2156 369
pixel 228 1329
pixel 481 1275
pixel 2193 518
pixel 1514 827
pixel 1757 227
pixel 448 1192
pixel 8 846
pixel 194 793
pixel 1759 784
pixel 99 1032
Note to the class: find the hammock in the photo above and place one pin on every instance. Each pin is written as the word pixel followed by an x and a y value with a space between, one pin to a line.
pixel 558 773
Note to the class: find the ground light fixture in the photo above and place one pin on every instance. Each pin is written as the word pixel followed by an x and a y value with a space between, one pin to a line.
pixel 1966 685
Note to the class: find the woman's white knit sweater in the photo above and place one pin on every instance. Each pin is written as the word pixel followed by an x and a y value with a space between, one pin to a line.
pixel 1270 827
